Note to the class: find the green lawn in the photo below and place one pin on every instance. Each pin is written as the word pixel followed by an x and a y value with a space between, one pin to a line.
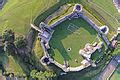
pixel 17 14
pixel 63 39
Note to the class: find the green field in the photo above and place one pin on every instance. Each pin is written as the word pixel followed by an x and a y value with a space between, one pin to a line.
pixel 106 5
pixel 63 38
pixel 109 13
pixel 17 14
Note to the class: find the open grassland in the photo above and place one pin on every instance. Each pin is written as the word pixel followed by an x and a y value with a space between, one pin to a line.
pixel 107 5
pixel 17 14
pixel 74 37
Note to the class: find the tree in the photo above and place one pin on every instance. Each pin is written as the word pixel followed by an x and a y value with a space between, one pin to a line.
pixel 20 42
pixel 9 48
pixel 49 74
pixel 40 75
pixel 8 36
pixel 33 73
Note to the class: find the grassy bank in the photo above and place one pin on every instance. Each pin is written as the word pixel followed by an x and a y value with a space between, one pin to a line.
pixel 17 14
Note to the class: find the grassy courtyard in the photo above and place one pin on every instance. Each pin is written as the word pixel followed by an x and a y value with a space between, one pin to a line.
pixel 72 34
pixel 17 14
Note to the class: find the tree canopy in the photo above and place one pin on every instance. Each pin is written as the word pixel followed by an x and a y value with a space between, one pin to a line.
pixel 40 75
pixel 20 42
pixel 8 35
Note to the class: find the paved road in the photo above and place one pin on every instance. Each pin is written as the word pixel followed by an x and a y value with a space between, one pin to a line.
pixel 110 68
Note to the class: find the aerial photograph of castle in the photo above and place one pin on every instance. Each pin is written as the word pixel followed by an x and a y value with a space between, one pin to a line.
pixel 59 39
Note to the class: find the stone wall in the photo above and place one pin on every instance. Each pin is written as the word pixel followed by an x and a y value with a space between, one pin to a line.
pixel 70 16
pixel 94 26
pixel 2 3
pixel 44 49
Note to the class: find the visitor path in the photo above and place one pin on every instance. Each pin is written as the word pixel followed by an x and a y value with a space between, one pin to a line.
pixel 110 68
pixel 36 28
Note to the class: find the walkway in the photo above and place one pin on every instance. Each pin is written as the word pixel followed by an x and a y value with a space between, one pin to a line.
pixel 110 68
pixel 70 68
pixel 36 28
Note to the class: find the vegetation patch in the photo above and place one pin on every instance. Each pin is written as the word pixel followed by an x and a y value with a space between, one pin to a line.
pixel 14 67
pixel 18 14
pixel 38 49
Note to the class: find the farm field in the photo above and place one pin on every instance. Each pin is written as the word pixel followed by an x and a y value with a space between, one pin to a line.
pixel 17 14
pixel 72 34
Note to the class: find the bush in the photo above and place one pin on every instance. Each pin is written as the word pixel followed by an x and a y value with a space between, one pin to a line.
pixel 8 35
pixel 20 42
